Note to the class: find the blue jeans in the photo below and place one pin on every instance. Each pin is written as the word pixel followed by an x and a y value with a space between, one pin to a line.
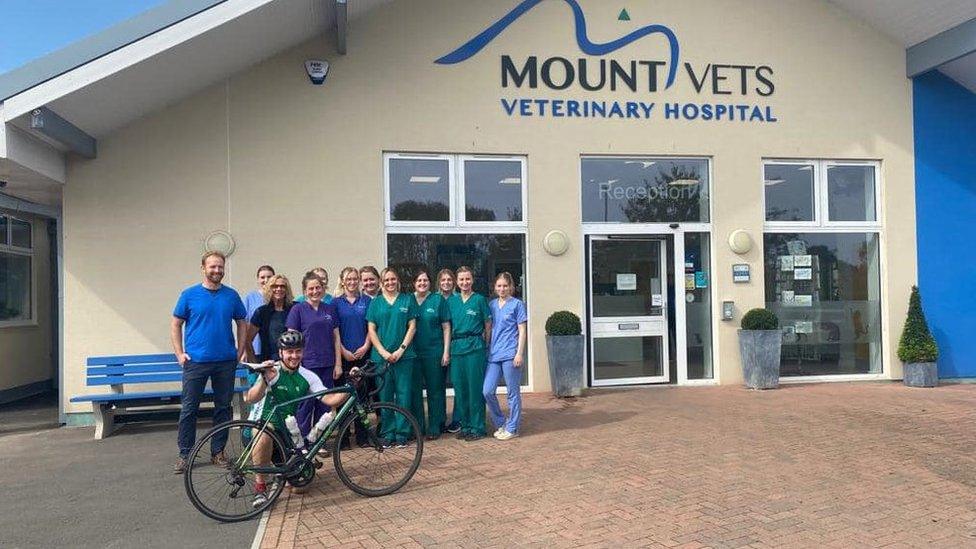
pixel 513 378
pixel 195 375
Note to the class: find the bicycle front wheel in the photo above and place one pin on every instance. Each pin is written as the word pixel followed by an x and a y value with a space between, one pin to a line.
pixel 390 456
pixel 228 491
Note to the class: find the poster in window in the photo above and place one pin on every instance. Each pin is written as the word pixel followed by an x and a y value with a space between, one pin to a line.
pixel 786 262
pixel 804 273
pixel 626 282
pixel 803 300
pixel 802 260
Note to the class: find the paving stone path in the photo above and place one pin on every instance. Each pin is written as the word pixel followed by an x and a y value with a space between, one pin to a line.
pixel 835 465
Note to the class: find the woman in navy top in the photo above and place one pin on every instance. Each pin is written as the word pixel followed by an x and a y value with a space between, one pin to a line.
pixel 505 356
pixel 318 323
pixel 268 321
pixel 354 344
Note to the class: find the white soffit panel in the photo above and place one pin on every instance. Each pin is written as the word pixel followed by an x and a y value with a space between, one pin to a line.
pixel 910 21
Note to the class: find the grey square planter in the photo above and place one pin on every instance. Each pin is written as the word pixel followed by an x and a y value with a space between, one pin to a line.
pixel 760 350
pixel 566 364
pixel 921 374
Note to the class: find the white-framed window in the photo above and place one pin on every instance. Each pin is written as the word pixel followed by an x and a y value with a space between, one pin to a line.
pixel 16 271
pixel 821 252
pixel 445 211
pixel 440 190
pixel 821 193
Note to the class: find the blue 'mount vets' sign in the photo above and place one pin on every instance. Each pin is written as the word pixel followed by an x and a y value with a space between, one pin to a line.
pixel 639 76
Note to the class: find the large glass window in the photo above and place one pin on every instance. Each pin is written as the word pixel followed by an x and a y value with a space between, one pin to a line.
pixel 826 290
pixel 486 254
pixel 644 190
pixel 15 270
pixel 789 192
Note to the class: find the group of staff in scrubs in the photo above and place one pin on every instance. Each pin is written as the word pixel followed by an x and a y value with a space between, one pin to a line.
pixel 455 330
pixel 424 336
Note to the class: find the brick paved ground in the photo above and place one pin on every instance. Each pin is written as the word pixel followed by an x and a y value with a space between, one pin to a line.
pixel 837 465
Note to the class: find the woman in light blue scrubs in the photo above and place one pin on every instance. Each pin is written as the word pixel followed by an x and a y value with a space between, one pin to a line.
pixel 505 356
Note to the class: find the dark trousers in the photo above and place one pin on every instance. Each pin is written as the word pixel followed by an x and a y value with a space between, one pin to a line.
pixel 310 410
pixel 195 376
pixel 365 386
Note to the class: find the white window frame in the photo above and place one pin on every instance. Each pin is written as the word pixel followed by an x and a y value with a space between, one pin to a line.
pixel 457 225
pixel 451 184
pixel 823 225
pixel 821 198
pixel 26 252
pixel 456 218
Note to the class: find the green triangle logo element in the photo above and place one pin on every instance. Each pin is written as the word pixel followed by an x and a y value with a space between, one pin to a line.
pixel 624 16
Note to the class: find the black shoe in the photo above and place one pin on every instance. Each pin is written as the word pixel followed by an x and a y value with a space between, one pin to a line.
pixel 453 427
pixel 471 437
pixel 386 444
pixel 401 444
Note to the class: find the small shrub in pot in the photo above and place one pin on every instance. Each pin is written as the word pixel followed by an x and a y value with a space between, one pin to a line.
pixel 917 348
pixel 760 342
pixel 564 346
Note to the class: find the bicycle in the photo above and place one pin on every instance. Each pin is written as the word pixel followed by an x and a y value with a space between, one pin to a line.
pixel 375 468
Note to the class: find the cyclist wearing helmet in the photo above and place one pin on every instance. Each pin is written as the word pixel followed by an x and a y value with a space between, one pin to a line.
pixel 279 382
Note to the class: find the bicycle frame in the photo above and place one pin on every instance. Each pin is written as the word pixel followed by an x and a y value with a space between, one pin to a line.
pixel 349 404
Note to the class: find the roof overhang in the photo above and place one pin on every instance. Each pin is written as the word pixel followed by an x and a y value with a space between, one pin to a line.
pixel 937 34
pixel 103 83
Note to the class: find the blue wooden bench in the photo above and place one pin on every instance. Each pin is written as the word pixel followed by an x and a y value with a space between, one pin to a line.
pixel 116 372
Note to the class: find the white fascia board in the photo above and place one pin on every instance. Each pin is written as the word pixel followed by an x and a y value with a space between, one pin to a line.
pixel 127 56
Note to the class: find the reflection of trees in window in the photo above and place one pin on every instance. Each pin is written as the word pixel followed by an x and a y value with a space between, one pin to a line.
pixel 414 210
pixel 667 202
pixel 474 213
pixel 486 254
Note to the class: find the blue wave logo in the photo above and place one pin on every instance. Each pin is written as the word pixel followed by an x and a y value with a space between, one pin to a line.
pixel 476 44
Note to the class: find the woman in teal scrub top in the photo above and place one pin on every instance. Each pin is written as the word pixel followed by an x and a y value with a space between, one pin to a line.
pixel 432 344
pixel 392 318
pixel 470 333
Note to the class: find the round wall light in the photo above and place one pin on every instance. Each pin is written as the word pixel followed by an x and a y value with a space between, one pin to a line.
pixel 740 242
pixel 219 241
pixel 555 243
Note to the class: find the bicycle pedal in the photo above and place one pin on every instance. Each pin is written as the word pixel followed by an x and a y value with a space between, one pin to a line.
pixel 317 464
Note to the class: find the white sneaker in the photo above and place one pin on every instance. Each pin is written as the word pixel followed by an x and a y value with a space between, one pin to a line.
pixel 260 499
pixel 505 435
pixel 497 432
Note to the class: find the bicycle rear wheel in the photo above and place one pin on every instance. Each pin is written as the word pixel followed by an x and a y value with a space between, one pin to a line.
pixel 228 492
pixel 384 464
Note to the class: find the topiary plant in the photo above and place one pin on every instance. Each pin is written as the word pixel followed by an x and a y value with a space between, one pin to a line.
pixel 563 323
pixel 760 319
pixel 916 344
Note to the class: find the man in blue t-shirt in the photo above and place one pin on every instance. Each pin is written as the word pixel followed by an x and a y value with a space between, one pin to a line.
pixel 203 340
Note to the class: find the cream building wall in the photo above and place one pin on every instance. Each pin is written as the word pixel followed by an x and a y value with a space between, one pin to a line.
pixel 25 350
pixel 295 171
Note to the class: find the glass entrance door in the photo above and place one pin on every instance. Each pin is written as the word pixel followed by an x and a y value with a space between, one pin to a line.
pixel 628 311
